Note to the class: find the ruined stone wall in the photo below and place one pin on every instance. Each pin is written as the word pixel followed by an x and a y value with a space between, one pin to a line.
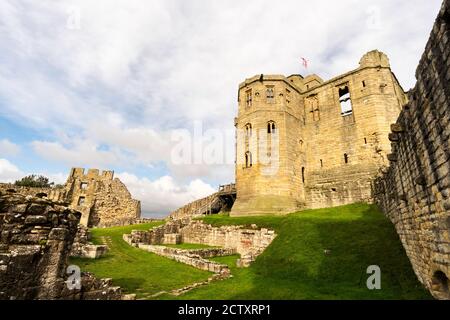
pixel 55 194
pixel 325 157
pixel 35 240
pixel 346 151
pixel 414 191
pixel 103 200
pixel 249 243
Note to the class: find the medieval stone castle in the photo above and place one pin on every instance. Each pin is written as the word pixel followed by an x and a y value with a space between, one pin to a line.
pixel 331 137
pixel 301 143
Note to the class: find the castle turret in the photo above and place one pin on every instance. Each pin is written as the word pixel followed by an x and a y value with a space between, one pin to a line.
pixel 268 173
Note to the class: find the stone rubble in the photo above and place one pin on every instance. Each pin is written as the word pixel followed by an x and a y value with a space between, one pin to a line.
pixel 36 236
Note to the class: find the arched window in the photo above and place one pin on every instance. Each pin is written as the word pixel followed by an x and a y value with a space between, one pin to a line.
pixel 345 101
pixel 346 158
pixel 248 159
pixel 248 130
pixel 271 127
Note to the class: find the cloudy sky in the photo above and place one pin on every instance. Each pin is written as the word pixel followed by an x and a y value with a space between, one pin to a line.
pixel 108 84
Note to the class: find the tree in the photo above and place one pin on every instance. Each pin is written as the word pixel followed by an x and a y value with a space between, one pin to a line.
pixel 34 181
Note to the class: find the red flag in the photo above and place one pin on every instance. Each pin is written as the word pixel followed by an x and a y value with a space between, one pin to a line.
pixel 305 63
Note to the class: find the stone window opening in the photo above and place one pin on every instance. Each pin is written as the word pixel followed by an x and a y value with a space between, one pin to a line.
pixel 345 101
pixel 271 127
pixel 346 158
pixel 248 98
pixel 270 94
pixel 364 84
pixel 288 96
pixel 248 159
pixel 365 140
pixel 321 163
pixel 83 185
pixel 81 201
pixel 303 174
pixel 248 130
pixel 441 283
pixel 312 103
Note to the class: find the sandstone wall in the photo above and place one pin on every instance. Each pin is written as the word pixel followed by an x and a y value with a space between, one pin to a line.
pixel 55 194
pixel 325 157
pixel 35 240
pixel 414 191
pixel 103 200
pixel 249 243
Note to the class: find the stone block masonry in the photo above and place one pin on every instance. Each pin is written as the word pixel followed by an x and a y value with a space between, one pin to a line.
pixel 414 192
pixel 36 236
pixel 103 200
pixel 249 243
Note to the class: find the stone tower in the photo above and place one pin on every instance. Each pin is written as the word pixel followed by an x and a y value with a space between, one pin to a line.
pixel 303 142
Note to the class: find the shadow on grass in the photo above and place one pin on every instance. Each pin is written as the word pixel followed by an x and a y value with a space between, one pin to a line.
pixel 324 254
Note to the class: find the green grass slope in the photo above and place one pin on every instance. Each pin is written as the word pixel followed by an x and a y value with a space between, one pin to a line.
pixel 294 266
pixel 135 270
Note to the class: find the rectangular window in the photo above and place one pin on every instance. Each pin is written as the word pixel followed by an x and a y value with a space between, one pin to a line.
pixel 248 97
pixel 84 186
pixel 270 94
pixel 345 101
pixel 312 103
pixel 81 201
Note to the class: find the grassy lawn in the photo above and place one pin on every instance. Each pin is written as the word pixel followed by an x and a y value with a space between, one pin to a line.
pixel 294 266
pixel 135 270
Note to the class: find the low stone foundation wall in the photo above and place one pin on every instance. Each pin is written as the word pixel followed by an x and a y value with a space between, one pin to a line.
pixel 83 248
pixel 249 243
pixel 195 258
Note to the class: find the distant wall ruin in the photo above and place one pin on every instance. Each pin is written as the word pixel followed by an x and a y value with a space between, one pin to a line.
pixel 414 191
pixel 103 200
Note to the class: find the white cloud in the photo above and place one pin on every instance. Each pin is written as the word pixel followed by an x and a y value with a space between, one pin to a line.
pixel 9 172
pixel 111 91
pixel 7 148
pixel 164 195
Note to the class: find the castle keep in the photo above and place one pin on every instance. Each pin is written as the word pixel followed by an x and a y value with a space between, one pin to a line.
pixel 307 143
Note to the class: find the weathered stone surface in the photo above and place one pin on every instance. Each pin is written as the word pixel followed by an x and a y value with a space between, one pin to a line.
pixel 249 243
pixel 414 191
pixel 83 248
pixel 102 199
pixel 306 152
pixel 34 251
